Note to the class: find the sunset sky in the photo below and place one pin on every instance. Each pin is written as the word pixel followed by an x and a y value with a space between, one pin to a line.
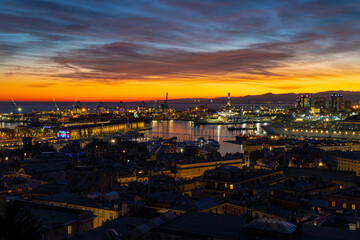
pixel 139 50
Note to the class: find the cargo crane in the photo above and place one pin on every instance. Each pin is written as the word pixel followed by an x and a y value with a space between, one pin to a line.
pixel 78 107
pixel 102 108
pixel 165 105
pixel 121 108
pixel 143 106
pixel 19 109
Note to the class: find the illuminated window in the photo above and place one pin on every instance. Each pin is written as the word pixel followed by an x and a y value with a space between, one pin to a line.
pixel 225 185
pixel 231 186
pixel 353 206
pixel 101 214
pixel 333 204
pixel 344 205
pixel 69 229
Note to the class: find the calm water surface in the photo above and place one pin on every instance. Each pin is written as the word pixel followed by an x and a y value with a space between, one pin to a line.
pixel 186 130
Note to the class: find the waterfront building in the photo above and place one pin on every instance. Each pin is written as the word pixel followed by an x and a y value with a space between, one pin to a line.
pixel 346 106
pixel 303 102
pixel 319 105
pixel 337 104
pixel 91 129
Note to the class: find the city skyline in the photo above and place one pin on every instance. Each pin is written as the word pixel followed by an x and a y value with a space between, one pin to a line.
pixel 139 51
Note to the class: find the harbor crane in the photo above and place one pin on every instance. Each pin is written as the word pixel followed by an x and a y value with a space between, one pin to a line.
pixel 121 106
pixel 101 108
pixel 165 105
pixel 144 106
pixel 19 109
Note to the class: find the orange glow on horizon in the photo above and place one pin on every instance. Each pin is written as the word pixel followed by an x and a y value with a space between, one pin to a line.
pixel 139 52
pixel 24 87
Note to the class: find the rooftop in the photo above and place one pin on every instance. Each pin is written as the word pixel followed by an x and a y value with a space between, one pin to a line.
pixel 78 199
pixel 272 225
pixel 354 155
pixel 52 217
pixel 206 224
pixel 118 227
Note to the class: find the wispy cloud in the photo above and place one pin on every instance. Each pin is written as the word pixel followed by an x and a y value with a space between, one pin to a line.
pixel 178 40
pixel 122 61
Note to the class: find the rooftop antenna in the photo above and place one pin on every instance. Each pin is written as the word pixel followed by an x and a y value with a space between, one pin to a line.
pixel 19 109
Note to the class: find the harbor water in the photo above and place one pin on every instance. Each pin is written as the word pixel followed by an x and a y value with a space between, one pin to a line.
pixel 186 130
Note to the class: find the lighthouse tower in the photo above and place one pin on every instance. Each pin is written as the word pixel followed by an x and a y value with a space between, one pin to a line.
pixel 229 100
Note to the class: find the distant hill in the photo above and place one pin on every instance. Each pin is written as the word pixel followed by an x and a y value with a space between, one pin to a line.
pixel 270 98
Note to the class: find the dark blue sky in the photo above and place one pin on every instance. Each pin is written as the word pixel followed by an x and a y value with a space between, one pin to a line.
pixel 199 41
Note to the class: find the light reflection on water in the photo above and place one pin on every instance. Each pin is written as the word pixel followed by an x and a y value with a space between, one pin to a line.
pixel 186 130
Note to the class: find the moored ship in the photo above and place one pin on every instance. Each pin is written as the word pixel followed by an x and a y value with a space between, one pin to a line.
pixel 347 129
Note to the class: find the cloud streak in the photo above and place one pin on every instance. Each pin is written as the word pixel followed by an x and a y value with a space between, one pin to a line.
pixel 180 41
pixel 120 61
